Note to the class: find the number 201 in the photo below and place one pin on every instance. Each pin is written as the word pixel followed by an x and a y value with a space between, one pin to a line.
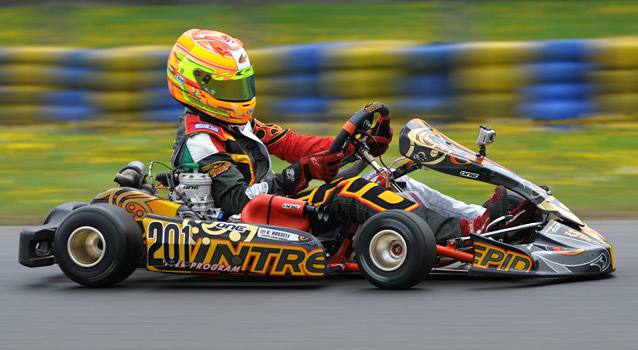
pixel 171 238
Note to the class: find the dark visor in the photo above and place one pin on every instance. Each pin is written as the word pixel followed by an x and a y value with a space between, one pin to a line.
pixel 228 90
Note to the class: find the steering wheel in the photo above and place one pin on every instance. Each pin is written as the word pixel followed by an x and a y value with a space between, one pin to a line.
pixel 360 124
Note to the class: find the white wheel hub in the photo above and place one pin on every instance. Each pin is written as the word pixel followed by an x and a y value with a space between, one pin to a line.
pixel 86 246
pixel 388 250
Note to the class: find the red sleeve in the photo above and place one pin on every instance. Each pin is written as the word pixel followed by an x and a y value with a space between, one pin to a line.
pixel 287 145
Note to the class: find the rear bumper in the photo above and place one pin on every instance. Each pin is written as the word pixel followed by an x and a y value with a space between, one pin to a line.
pixel 36 246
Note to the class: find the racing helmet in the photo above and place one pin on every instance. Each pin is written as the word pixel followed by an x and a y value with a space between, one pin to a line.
pixel 210 71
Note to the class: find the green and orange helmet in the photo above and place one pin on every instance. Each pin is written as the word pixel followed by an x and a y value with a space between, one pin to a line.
pixel 210 71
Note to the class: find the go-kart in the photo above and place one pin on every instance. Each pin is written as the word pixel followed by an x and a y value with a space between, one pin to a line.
pixel 101 243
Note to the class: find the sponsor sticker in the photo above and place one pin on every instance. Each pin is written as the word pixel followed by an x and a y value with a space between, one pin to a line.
pixel 216 168
pixel 180 79
pixel 277 235
pixel 290 175
pixel 243 58
pixel 206 126
pixel 192 246
pixel 491 257
pixel 469 175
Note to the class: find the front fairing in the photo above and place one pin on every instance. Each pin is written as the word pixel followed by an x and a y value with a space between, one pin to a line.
pixel 557 251
pixel 428 147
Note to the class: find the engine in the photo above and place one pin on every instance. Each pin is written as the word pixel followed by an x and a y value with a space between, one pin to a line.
pixel 194 192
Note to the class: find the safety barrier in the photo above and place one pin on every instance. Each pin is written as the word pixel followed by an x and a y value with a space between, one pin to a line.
pixel 546 80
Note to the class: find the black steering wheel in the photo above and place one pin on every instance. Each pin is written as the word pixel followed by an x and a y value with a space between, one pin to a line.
pixel 360 124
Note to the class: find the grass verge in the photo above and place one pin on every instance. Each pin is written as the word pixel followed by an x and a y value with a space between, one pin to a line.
pixel 287 23
pixel 591 169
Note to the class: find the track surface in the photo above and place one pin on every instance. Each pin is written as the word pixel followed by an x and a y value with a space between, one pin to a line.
pixel 41 308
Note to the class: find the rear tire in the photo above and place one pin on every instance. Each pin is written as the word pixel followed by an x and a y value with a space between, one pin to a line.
pixel 98 245
pixel 395 249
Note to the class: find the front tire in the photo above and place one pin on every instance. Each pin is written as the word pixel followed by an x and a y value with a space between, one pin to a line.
pixel 98 245
pixel 395 249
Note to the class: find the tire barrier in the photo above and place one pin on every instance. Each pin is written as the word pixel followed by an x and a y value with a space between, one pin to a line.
pixel 616 78
pixel 494 53
pixel 291 59
pixel 487 77
pixel 39 84
pixel 540 80
pixel 558 88
pixel 615 54
pixel 431 58
pixel 556 100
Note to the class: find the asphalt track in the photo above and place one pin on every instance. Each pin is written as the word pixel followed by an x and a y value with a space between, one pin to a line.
pixel 41 308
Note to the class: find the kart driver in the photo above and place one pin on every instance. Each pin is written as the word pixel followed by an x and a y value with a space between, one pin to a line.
pixel 210 73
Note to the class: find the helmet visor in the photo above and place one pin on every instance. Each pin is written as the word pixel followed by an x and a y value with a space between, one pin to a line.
pixel 235 88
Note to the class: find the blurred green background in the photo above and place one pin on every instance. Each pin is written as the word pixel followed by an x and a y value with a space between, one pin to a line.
pixel 266 23
pixel 590 165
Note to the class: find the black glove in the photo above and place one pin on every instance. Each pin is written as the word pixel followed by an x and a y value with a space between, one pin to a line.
pixel 382 131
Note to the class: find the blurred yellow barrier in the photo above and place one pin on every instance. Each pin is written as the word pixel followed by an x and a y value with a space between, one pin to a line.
pixel 40 55
pixel 489 79
pixel 113 101
pixel 124 80
pixel 621 80
pixel 128 58
pixel 364 55
pixel 23 95
pixel 20 114
pixel 544 80
pixel 495 53
pixel 482 106
pixel 29 74
pixel 616 78
pixel 616 53
pixel 622 103
pixel 360 83
pixel 268 61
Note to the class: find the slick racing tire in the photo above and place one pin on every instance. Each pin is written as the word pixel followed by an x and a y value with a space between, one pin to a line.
pixel 98 245
pixel 395 249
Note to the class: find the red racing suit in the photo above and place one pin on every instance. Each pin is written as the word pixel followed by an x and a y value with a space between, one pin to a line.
pixel 237 158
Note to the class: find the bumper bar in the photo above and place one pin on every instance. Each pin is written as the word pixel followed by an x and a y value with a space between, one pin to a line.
pixel 36 245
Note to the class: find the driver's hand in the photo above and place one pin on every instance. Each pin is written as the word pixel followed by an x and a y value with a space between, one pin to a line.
pixel 376 107
pixel 379 144
pixel 317 166
pixel 382 130
pixel 322 166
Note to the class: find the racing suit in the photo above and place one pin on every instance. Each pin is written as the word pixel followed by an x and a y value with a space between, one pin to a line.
pixel 237 158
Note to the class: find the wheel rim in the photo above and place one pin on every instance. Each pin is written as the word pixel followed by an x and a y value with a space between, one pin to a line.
pixel 86 246
pixel 388 250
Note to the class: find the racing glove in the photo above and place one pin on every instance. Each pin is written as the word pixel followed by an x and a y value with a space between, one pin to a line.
pixel 381 134
pixel 379 144
pixel 382 131
pixel 317 166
